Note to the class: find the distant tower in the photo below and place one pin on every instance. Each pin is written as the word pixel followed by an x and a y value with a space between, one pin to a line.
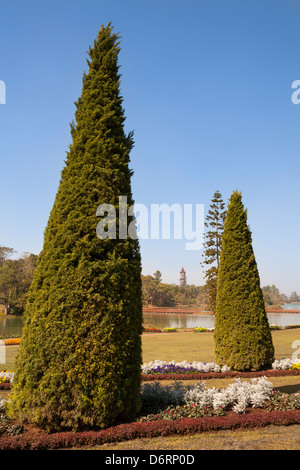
pixel 182 279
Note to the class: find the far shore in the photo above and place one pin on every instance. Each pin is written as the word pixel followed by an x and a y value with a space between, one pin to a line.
pixel 197 311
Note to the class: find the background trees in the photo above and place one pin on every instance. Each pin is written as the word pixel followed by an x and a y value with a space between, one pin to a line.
pixel 15 279
pixel 80 355
pixel 272 296
pixel 159 294
pixel 212 247
pixel 242 335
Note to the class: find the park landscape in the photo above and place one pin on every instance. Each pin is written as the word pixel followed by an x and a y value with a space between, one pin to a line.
pixel 87 372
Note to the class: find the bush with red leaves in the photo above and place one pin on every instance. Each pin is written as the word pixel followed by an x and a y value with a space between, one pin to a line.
pixel 220 375
pixel 150 429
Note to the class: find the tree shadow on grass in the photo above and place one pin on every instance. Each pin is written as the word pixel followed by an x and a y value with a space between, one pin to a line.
pixel 288 388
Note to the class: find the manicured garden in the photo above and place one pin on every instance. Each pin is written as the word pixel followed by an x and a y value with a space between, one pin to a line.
pixel 181 398
pixel 86 373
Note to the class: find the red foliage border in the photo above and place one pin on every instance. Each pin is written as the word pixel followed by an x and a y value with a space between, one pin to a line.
pixel 220 375
pixel 4 386
pixel 150 429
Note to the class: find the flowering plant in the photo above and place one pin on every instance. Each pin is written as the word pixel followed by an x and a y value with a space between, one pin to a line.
pixel 164 367
pixel 12 341
pixel 164 402
pixel 6 376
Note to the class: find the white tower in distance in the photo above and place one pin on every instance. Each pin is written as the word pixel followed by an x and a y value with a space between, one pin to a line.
pixel 182 279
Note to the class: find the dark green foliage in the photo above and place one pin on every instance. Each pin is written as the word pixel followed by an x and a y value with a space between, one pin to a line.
pixel 212 247
pixel 80 356
pixel 242 335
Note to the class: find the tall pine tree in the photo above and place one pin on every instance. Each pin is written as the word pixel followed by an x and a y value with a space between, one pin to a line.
pixel 243 339
pixel 80 356
pixel 212 247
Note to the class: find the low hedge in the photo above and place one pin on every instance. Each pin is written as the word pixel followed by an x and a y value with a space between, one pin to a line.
pixel 150 429
pixel 4 386
pixel 220 375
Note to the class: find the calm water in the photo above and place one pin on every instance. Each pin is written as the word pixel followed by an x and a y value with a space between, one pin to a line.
pixel 13 325
pixel 208 321
pixel 291 307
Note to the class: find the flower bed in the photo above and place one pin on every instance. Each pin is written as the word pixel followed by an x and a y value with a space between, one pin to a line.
pixel 178 401
pixel 162 370
pixel 202 330
pixel 4 335
pixel 136 430
pixel 6 379
pixel 174 409
pixel 12 341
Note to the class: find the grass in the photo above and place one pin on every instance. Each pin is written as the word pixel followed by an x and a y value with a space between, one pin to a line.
pixel 270 438
pixel 186 346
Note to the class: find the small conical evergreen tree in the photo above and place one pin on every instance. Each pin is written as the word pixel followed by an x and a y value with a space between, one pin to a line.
pixel 243 339
pixel 79 364
pixel 212 248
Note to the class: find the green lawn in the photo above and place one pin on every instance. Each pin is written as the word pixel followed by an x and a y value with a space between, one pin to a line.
pixel 186 346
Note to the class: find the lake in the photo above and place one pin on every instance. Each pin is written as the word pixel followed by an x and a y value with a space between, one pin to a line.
pixel 291 306
pixel 171 320
pixel 11 325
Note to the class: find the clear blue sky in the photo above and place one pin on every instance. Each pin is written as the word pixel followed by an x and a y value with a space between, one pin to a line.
pixel 207 91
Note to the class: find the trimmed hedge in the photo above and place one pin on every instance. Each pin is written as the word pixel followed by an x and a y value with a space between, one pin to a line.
pixel 150 429
pixel 220 375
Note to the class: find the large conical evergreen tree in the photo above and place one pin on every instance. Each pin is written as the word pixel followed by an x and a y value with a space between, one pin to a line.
pixel 80 355
pixel 242 335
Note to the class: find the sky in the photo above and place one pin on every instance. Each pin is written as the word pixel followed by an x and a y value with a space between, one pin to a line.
pixel 207 88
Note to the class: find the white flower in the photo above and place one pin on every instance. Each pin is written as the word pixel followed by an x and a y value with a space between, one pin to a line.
pixel 9 375
pixel 200 366
pixel 237 395
pixel 2 405
pixel 282 364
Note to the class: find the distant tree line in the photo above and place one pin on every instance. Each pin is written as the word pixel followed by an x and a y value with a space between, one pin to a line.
pixel 272 296
pixel 16 276
pixel 159 294
pixel 15 280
